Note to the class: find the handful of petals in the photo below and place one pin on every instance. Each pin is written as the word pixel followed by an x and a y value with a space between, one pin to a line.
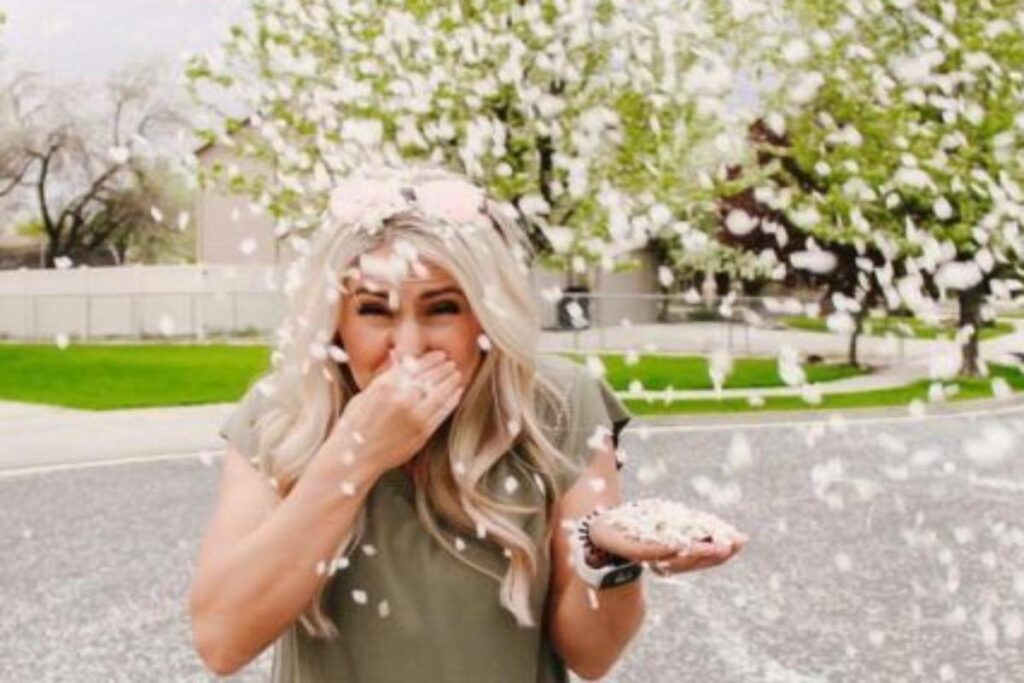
pixel 667 534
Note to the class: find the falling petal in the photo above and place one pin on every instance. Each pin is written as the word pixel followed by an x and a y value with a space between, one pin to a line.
pixel 916 408
pixel 740 223
pixel 843 562
pixel 1001 388
pixel 647 474
pixel 119 155
pixel 990 448
pixel 595 366
pixel 943 209
pixel 551 294
pixel 337 354
pixel 596 440
pixel 665 276
pixel 740 455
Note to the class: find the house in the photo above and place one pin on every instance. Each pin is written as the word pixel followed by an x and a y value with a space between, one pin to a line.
pixel 231 232
pixel 229 228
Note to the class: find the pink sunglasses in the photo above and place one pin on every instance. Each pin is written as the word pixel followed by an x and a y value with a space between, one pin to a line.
pixel 367 201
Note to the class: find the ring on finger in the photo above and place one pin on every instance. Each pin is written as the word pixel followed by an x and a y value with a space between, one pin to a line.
pixel 419 387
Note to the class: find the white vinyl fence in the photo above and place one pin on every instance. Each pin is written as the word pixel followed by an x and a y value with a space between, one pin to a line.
pixel 197 301
pixel 138 302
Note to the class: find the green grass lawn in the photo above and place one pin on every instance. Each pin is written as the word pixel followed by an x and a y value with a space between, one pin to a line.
pixel 897 396
pixel 880 327
pixel 658 372
pixel 105 377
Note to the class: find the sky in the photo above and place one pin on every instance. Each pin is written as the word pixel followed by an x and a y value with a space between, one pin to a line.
pixel 89 39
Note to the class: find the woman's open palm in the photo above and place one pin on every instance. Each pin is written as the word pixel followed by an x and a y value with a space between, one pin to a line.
pixel 663 559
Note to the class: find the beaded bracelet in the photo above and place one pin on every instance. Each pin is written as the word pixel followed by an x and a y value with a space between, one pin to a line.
pixel 595 556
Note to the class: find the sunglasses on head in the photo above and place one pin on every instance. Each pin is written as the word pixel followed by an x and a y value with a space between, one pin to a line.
pixel 453 201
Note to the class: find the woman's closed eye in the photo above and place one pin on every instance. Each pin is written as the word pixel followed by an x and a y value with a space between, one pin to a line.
pixel 372 309
pixel 445 307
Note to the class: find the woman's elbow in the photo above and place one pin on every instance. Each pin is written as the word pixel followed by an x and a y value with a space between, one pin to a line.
pixel 214 658
pixel 208 644
pixel 590 674
pixel 217 667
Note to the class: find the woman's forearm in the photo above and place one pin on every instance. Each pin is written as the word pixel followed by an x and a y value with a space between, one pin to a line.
pixel 590 640
pixel 269 577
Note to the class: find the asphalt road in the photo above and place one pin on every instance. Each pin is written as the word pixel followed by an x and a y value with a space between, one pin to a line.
pixel 880 551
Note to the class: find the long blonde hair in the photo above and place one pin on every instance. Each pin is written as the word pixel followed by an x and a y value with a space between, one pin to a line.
pixel 310 390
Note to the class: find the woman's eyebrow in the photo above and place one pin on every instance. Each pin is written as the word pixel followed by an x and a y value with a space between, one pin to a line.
pixel 429 294
pixel 364 290
pixel 438 292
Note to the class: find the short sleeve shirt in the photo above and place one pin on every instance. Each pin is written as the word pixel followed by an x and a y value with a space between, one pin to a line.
pixel 406 608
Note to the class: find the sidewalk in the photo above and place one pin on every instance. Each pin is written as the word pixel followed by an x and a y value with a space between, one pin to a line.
pixel 901 362
pixel 37 436
pixel 740 340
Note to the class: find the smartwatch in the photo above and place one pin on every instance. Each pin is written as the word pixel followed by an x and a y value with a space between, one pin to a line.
pixel 612 571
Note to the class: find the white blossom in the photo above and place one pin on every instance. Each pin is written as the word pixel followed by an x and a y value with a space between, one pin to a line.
pixel 739 222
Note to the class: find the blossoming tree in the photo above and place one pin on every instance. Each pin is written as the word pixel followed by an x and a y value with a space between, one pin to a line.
pixel 903 129
pixel 583 115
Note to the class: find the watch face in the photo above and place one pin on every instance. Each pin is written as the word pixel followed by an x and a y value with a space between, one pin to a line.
pixel 621 575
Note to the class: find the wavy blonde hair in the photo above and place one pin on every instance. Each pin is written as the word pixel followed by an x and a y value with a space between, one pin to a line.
pixel 310 391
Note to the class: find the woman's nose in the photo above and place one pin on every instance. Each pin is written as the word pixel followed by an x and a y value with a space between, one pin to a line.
pixel 407 339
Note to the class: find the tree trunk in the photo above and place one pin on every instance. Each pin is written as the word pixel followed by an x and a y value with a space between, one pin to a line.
pixel 858 327
pixel 869 300
pixel 51 254
pixel 970 314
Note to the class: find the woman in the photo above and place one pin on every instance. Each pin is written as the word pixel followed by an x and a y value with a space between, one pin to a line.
pixel 417 465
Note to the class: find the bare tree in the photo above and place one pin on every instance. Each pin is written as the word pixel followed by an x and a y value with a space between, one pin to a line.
pixel 82 165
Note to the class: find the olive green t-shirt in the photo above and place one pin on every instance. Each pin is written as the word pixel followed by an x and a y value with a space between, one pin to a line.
pixel 406 608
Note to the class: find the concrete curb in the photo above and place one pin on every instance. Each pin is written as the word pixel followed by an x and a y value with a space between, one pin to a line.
pixel 980 408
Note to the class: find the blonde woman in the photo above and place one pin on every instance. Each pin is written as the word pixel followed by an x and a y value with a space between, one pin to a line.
pixel 397 490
